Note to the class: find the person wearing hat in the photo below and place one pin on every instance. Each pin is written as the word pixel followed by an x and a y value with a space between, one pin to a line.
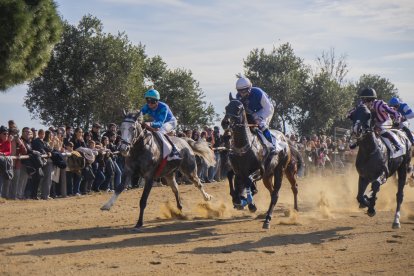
pixel 382 115
pixel 163 123
pixel 5 142
pixel 95 131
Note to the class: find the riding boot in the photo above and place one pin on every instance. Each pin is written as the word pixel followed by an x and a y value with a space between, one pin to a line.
pixel 174 155
pixel 268 136
pixel 392 140
pixel 409 134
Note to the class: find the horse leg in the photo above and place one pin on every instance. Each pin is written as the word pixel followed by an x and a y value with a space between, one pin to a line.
pixel 230 177
pixel 170 179
pixel 402 176
pixel 375 189
pixel 362 186
pixel 118 190
pixel 143 201
pixel 291 176
pixel 274 196
pixel 196 181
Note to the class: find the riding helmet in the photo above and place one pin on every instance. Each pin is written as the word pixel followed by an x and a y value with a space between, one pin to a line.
pixel 368 93
pixel 153 94
pixel 243 83
pixel 394 101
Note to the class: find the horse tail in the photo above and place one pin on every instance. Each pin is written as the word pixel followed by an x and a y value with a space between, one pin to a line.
pixel 202 149
pixel 299 160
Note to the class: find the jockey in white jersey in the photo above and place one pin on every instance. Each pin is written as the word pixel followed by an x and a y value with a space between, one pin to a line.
pixel 258 104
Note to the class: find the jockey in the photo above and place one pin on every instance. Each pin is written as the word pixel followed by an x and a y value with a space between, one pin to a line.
pixel 381 114
pixel 406 113
pixel 164 122
pixel 257 103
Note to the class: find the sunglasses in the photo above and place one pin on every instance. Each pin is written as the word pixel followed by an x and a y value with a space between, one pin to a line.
pixel 243 91
pixel 151 101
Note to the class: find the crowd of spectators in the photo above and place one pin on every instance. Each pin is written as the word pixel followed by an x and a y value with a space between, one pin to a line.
pixel 58 162
pixel 72 162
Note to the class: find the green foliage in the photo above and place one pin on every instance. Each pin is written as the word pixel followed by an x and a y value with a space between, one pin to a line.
pixel 92 76
pixel 322 104
pixel 282 75
pixel 28 32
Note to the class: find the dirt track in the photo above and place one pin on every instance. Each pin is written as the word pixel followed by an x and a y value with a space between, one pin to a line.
pixel 329 235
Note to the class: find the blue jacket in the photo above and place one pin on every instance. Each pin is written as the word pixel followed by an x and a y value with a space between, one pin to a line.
pixel 406 111
pixel 254 99
pixel 162 114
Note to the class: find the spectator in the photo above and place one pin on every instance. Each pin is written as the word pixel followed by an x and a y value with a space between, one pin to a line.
pixel 34 133
pixel 96 136
pixel 5 150
pixel 195 135
pixel 68 135
pixel 87 136
pixel 43 148
pixel 111 128
pixel 77 139
pixel 215 171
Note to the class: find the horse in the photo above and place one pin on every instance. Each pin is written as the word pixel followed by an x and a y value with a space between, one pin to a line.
pixel 375 162
pixel 250 160
pixel 143 157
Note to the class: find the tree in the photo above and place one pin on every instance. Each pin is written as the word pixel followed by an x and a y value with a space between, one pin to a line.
pixel 384 88
pixel 91 76
pixel 323 102
pixel 336 69
pixel 282 75
pixel 181 92
pixel 28 31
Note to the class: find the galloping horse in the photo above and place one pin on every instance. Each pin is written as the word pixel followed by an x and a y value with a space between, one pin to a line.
pixel 143 152
pixel 375 163
pixel 249 158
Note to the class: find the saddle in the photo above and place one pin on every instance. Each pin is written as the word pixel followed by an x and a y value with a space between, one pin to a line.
pixel 399 136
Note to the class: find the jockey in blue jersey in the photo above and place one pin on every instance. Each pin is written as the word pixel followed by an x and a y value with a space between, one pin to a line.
pixel 406 114
pixel 258 105
pixel 163 122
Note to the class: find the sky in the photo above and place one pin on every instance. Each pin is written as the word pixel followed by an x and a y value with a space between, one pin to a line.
pixel 211 38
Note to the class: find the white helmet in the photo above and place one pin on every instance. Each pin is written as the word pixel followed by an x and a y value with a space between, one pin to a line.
pixel 243 83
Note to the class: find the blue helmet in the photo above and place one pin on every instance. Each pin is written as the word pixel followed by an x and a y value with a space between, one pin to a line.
pixel 394 101
pixel 153 94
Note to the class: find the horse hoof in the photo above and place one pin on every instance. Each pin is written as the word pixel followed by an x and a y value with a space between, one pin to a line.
pixel 105 208
pixel 371 212
pixel 252 207
pixel 396 225
pixel 266 225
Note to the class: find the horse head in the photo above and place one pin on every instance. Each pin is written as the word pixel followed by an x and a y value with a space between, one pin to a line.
pixel 235 114
pixel 361 122
pixel 131 128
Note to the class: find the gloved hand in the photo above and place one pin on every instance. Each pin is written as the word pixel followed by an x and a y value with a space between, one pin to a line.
pixel 396 124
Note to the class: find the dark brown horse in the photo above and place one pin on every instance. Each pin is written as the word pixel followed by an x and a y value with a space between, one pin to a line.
pixel 249 159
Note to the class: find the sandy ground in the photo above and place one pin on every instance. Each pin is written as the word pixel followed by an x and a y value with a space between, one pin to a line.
pixel 329 235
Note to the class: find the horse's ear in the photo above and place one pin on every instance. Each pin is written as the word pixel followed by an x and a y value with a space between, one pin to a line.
pixel 140 117
pixel 230 97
